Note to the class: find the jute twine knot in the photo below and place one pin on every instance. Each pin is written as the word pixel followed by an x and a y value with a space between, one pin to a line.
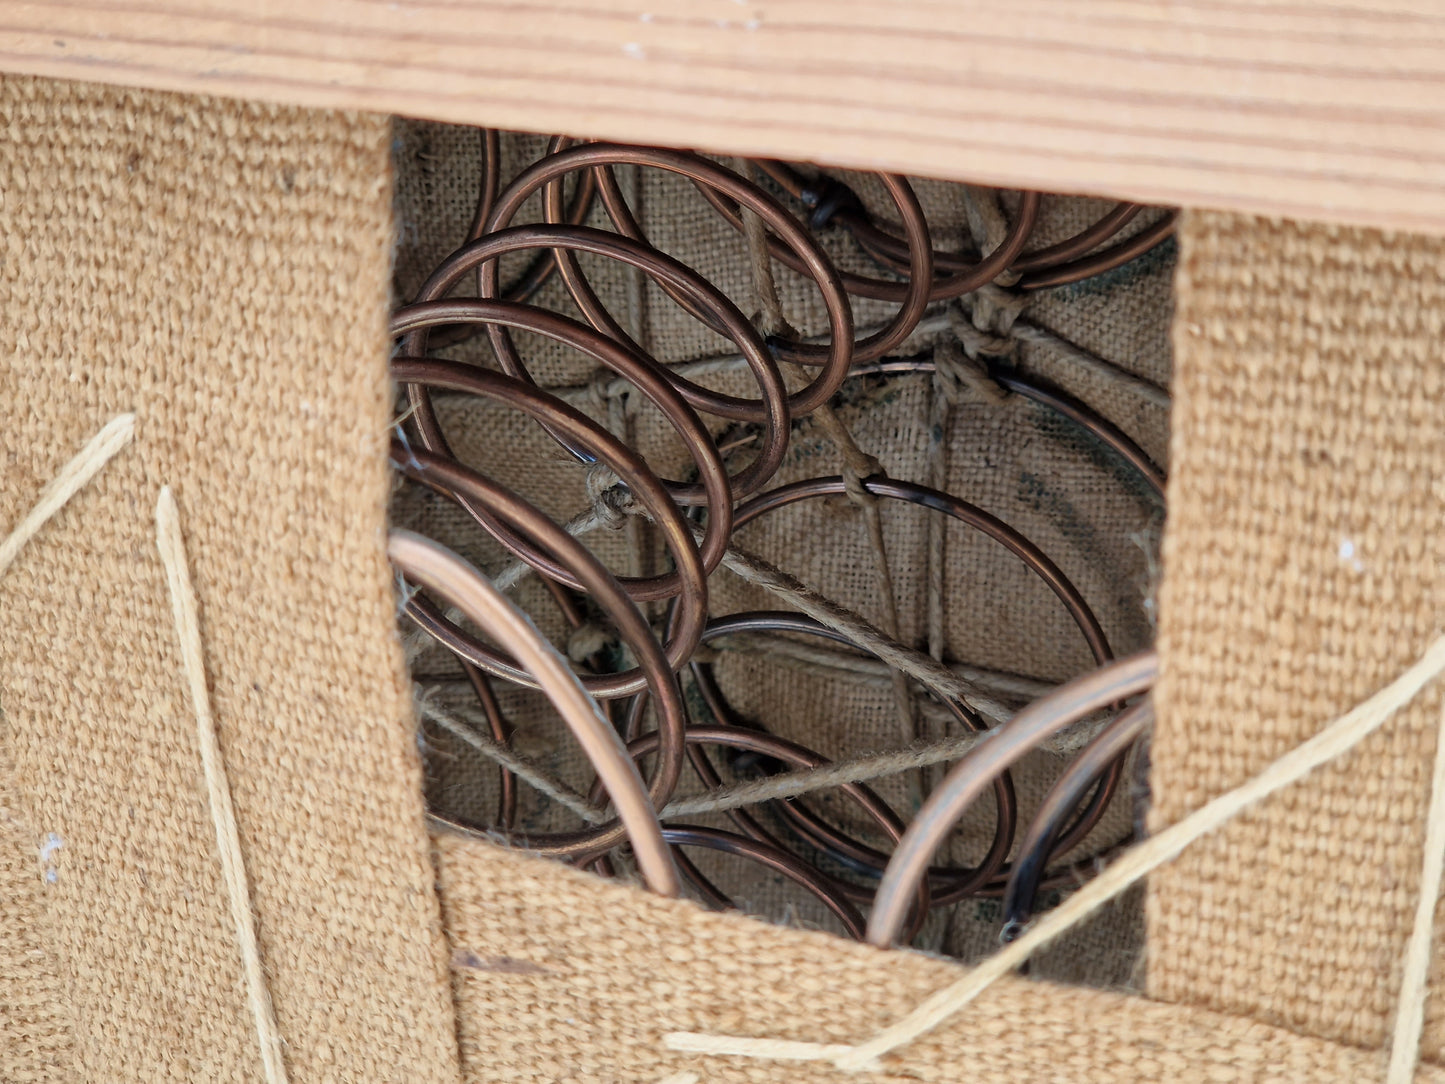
pixel 586 640
pixel 955 370
pixel 855 469
pixel 977 343
pixel 997 308
pixel 959 363
pixel 610 499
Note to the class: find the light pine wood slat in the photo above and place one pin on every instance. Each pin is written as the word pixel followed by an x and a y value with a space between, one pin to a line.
pixel 1324 110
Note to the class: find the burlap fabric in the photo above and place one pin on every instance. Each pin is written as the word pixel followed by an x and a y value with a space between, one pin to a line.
pixel 184 258
pixel 35 1038
pixel 1303 567
pixel 220 270
pixel 558 977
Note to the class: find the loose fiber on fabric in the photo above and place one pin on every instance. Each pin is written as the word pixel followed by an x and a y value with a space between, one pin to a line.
pixel 187 259
pixel 1303 566
pixel 220 269
pixel 561 977
pixel 34 1018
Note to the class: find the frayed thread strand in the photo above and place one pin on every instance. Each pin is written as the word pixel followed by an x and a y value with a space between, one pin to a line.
pixel 101 449
pixel 1337 738
pixel 1410 1005
pixel 519 766
pixel 793 784
pixel 862 769
pixel 218 788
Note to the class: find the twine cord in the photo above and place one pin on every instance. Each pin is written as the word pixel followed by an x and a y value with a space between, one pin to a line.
pixel 455 723
pixel 98 451
pixel 1410 1010
pixel 924 669
pixel 927 671
pixel 860 769
pixel 218 788
pixel 986 222
pixel 865 667
pixel 1337 738
pixel 952 372
pixel 794 784
pixel 771 319
pixel 942 393
pixel 857 464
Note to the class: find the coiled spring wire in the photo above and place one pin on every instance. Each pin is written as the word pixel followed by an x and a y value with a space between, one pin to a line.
pixel 883 894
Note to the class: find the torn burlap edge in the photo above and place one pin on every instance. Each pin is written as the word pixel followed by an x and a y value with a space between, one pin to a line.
pixel 220 241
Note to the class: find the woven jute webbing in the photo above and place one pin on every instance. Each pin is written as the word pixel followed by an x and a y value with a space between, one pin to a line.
pixel 1304 559
pixel 186 259
pixel 559 977
pixel 220 269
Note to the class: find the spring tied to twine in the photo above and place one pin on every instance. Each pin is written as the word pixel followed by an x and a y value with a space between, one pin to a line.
pixel 751 568
pixel 1340 736
pixel 860 769
pixel 857 464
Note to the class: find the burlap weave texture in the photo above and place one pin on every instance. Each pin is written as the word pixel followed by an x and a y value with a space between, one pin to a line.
pixel 1303 569
pixel 185 258
pixel 219 269
pixel 560 977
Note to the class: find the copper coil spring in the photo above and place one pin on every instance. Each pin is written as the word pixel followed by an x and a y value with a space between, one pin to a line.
pixel 697 519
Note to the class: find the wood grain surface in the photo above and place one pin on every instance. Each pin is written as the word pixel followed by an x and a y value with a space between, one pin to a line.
pixel 1331 109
